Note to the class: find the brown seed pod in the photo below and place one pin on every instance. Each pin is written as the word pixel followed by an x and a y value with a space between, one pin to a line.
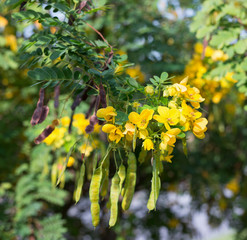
pixel 93 120
pixel 38 111
pixel 102 96
pixel 56 96
pixel 45 111
pixel 46 132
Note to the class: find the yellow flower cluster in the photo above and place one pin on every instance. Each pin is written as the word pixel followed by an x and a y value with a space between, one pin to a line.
pixel 211 88
pixel 60 135
pixel 160 131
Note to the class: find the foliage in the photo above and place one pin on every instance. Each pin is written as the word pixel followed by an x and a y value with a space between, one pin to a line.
pixel 222 24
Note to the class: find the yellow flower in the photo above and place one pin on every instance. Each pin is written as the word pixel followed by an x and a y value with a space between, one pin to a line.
pixel 108 113
pixel 169 138
pixel 233 185
pixel 189 112
pixel 148 144
pixel 193 95
pixel 80 122
pixel 199 127
pixel 70 162
pixel 149 90
pixel 129 131
pixel 167 116
pixel 167 157
pixel 11 42
pixel 219 55
pixel 135 72
pixel 86 149
pixel 217 97
pixel 142 133
pixel 65 121
pixel 115 134
pixel 56 137
pixel 141 120
pixel 136 104
pixel 3 22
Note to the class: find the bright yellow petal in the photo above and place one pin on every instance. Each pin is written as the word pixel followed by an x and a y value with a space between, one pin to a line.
pixel 163 111
pixel 134 117
pixel 173 131
pixel 147 114
pixel 107 128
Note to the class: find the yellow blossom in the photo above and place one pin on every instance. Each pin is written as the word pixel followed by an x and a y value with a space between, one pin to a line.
pixel 108 113
pixel 56 137
pixel 142 133
pixel 148 144
pixel 71 161
pixel 149 90
pixel 86 149
pixel 169 138
pixel 142 119
pixel 80 122
pixel 11 42
pixel 65 121
pixel 136 104
pixel 167 116
pixel 3 22
pixel 115 134
pixel 129 131
pixel 135 72
pixel 233 185
pixel 199 127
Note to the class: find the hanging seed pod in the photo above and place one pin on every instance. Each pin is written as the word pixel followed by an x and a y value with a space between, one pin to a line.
pixel 56 96
pixel 93 120
pixel 129 187
pixel 122 175
pixel 38 111
pixel 54 174
pixel 105 178
pixel 44 114
pixel 114 195
pixel 94 195
pixel 155 186
pixel 79 184
pixel 46 132
pixel 102 95
pixel 142 156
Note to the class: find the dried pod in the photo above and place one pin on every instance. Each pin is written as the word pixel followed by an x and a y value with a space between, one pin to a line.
pixel 56 96
pixel 38 111
pixel 93 120
pixel 46 132
pixel 102 95
pixel 90 108
pixel 45 111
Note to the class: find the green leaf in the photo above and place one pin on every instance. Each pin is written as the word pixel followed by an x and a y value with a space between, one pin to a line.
pixel 164 76
pixel 56 55
pixel 121 118
pixel 133 82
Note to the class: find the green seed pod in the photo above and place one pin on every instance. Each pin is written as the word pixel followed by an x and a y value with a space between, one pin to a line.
pixel 105 178
pixel 94 195
pixel 129 187
pixel 79 184
pixel 95 211
pixel 122 175
pixel 142 156
pixel 155 186
pixel 54 174
pixel 114 195
pixel 154 194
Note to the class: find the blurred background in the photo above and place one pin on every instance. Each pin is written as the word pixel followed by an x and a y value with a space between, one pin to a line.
pixel 203 196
